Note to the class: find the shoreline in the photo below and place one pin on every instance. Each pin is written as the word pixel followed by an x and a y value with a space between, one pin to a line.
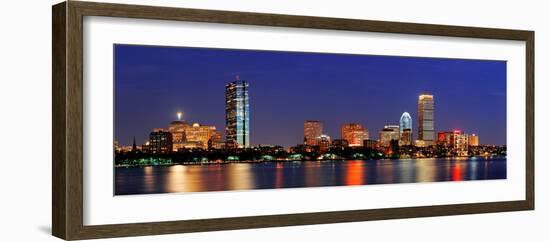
pixel 311 160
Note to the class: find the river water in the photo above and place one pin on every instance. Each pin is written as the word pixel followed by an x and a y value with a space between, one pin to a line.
pixel 269 175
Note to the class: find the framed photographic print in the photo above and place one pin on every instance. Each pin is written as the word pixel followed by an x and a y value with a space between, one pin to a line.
pixel 171 120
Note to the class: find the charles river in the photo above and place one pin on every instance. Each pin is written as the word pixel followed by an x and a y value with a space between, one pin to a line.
pixel 268 175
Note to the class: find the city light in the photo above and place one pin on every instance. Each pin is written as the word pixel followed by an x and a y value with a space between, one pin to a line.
pixel 393 141
pixel 278 126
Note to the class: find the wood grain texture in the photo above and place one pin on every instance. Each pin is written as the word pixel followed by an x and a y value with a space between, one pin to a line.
pixel 75 120
pixel 59 181
pixel 67 196
pixel 530 120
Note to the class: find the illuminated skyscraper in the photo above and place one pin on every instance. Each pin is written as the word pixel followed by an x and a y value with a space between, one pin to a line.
pixel 426 125
pixel 237 127
pixel 312 130
pixel 354 133
pixel 405 129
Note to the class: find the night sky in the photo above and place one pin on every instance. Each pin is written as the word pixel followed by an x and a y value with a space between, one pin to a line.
pixel 152 83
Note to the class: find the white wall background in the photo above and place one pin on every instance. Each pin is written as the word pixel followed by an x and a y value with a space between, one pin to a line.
pixel 25 119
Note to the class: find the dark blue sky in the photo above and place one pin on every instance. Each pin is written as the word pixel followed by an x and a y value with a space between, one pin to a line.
pixel 152 83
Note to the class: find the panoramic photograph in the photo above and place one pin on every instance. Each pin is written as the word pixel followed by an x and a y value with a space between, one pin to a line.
pixel 191 119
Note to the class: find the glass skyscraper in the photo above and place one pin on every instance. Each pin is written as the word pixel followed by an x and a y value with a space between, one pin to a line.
pixel 405 129
pixel 237 127
pixel 405 122
pixel 426 130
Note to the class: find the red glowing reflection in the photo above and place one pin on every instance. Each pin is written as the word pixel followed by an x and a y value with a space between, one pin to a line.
pixel 457 173
pixel 354 173
pixel 279 175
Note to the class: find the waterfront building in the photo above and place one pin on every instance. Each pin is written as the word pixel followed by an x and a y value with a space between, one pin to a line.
pixel 392 150
pixel 177 129
pixel 145 147
pixel 160 142
pixel 302 148
pixel 354 134
pixel 426 125
pixel 312 130
pixel 456 141
pixel 461 143
pixel 237 111
pixel 420 143
pixel 340 143
pixel 193 144
pixel 444 138
pixel 405 129
pixel 406 137
pixel 389 133
pixel 197 136
pixel 324 143
pixel 215 141
pixel 371 144
pixel 473 140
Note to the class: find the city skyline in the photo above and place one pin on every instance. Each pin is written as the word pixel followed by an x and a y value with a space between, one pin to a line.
pixel 372 118
pixel 185 135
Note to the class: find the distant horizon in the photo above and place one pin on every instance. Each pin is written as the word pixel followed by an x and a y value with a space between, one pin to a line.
pixel 153 83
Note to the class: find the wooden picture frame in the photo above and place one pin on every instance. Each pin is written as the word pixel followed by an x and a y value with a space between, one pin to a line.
pixel 67 152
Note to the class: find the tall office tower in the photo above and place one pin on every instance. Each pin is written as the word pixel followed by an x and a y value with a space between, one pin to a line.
pixel 426 125
pixel 237 127
pixel 312 130
pixel 389 133
pixel 405 129
pixel 354 133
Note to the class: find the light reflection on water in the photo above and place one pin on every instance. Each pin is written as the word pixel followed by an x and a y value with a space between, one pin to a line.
pixel 244 176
